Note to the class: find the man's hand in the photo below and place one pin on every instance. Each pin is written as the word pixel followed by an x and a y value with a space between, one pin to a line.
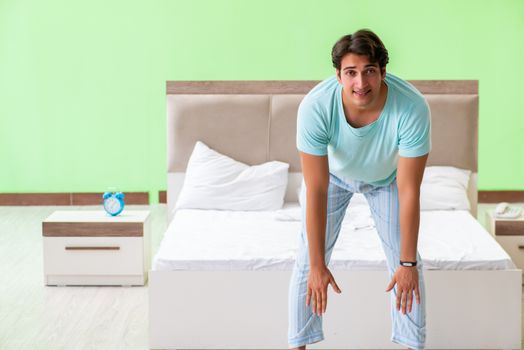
pixel 406 279
pixel 317 283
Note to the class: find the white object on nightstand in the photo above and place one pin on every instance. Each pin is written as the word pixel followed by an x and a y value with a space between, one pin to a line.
pixel 509 233
pixel 92 248
pixel 504 210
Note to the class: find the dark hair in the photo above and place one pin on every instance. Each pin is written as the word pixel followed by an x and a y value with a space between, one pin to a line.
pixel 362 42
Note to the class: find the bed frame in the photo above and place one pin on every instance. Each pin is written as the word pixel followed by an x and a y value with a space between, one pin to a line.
pixel 255 122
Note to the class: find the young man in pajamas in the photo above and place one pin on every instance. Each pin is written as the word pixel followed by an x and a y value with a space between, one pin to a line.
pixel 361 131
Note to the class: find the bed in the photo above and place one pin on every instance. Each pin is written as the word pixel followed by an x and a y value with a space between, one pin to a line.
pixel 207 293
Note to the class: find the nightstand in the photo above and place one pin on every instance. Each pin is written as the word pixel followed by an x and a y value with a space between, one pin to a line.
pixel 94 248
pixel 509 233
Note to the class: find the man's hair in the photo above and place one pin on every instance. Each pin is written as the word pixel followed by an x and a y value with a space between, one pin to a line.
pixel 362 42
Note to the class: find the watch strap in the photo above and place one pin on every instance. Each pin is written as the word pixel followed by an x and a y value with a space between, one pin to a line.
pixel 408 263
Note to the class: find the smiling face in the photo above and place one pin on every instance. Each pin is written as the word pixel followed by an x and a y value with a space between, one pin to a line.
pixel 361 82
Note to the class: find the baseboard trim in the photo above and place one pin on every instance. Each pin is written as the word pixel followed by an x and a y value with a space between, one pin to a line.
pixel 162 197
pixel 500 196
pixel 22 199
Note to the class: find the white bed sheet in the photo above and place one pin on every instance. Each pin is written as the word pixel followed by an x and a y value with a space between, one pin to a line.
pixel 242 240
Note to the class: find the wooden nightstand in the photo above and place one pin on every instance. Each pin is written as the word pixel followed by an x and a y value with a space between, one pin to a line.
pixel 510 235
pixel 93 248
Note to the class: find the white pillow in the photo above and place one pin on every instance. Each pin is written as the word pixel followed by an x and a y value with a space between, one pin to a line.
pixel 444 188
pixel 215 181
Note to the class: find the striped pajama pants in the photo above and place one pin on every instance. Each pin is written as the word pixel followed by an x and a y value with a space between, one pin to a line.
pixel 305 327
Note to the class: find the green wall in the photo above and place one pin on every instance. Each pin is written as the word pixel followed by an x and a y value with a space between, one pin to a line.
pixel 82 84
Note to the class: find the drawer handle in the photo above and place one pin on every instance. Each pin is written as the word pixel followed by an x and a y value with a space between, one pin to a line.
pixel 92 248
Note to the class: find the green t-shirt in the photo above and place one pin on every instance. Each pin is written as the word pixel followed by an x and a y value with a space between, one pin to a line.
pixel 369 153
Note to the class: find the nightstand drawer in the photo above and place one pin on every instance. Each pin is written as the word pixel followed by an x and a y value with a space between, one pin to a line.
pixel 511 245
pixel 93 255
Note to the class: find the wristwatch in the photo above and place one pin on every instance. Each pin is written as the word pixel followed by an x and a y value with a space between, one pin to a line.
pixel 408 263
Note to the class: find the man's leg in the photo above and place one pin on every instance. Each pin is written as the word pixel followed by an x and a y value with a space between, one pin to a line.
pixel 304 326
pixel 409 329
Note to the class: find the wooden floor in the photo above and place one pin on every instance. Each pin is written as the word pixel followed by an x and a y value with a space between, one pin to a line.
pixel 34 316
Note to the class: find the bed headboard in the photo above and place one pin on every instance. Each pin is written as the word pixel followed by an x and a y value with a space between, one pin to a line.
pixel 255 122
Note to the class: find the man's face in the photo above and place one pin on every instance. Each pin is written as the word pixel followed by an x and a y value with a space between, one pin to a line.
pixel 361 81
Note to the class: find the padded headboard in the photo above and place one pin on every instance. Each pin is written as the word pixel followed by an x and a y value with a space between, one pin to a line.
pixel 255 122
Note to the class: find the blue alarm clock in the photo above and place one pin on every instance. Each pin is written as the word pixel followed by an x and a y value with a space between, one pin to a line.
pixel 113 202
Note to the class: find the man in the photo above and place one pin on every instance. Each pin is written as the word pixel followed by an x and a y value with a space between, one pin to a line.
pixel 362 131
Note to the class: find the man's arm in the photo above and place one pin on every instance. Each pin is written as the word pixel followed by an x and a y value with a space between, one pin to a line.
pixel 315 170
pixel 409 178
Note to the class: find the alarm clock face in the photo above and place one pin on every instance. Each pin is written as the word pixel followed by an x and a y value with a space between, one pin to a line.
pixel 112 205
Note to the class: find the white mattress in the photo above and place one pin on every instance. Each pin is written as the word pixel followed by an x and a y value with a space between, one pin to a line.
pixel 229 240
